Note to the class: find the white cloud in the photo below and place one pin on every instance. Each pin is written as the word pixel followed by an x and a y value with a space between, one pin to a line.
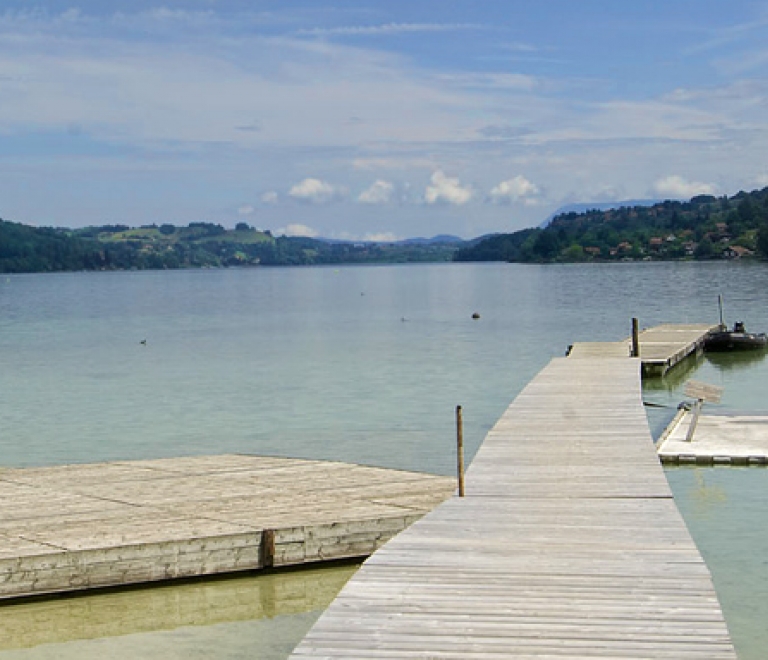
pixel 269 197
pixel 677 187
pixel 380 192
pixel 500 81
pixel 381 237
pixel 297 230
pixel 447 189
pixel 392 163
pixel 246 209
pixel 315 191
pixel 167 93
pixel 388 29
pixel 515 189
pixel 761 180
pixel 371 237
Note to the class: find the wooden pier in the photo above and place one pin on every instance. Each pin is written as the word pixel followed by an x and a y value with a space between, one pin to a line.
pixel 78 527
pixel 661 347
pixel 567 545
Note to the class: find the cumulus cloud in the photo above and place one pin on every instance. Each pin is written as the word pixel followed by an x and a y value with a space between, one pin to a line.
pixel 269 197
pixel 315 191
pixel 677 187
pixel 297 230
pixel 370 237
pixel 380 192
pixel 245 209
pixel 447 189
pixel 761 181
pixel 382 237
pixel 515 189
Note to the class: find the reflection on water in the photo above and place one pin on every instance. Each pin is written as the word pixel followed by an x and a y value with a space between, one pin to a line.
pixel 736 360
pixel 675 378
pixel 705 498
pixel 733 539
pixel 215 618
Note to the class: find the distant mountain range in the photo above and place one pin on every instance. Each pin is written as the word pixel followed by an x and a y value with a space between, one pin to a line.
pixel 441 239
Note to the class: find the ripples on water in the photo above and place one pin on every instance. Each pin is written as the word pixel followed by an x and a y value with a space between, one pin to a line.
pixel 363 364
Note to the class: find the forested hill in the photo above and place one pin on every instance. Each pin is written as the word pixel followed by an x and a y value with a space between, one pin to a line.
pixel 25 249
pixel 706 227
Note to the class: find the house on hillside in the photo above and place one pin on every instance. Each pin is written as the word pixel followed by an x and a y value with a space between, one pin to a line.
pixel 737 252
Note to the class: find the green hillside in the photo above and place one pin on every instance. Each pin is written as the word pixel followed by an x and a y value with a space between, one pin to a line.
pixel 706 227
pixel 198 245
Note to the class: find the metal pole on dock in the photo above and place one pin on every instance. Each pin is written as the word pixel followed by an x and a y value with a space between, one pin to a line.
pixel 720 306
pixel 460 450
pixel 694 419
pixel 635 339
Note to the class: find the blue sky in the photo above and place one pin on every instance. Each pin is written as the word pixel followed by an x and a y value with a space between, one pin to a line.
pixel 374 119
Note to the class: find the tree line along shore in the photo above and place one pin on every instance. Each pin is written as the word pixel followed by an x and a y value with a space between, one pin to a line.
pixel 706 227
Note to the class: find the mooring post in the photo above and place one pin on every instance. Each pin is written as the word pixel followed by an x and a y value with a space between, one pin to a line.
pixel 267 549
pixel 460 450
pixel 635 339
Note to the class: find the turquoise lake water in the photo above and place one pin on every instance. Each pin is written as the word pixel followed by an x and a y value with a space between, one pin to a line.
pixel 360 364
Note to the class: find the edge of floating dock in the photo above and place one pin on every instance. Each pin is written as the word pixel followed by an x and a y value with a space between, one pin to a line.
pixel 77 527
pixel 740 440
pixel 661 347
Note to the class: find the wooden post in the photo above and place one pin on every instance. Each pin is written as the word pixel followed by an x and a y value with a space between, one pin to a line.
pixel 635 339
pixel 460 450
pixel 267 548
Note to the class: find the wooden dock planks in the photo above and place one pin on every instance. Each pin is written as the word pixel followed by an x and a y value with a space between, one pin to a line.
pixel 661 347
pixel 104 525
pixel 555 552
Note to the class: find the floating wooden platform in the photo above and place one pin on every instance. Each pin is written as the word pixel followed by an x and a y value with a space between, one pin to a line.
pixel 568 545
pixel 717 439
pixel 661 347
pixel 111 524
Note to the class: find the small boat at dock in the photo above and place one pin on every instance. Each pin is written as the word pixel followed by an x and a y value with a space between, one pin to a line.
pixel 737 339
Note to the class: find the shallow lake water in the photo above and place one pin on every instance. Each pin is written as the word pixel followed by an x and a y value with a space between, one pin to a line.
pixel 360 364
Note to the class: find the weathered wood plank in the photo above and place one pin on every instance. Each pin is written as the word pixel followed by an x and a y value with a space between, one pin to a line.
pixel 661 347
pixel 554 553
pixel 82 526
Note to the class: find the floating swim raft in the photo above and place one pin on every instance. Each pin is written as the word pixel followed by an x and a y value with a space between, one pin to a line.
pixel 77 527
